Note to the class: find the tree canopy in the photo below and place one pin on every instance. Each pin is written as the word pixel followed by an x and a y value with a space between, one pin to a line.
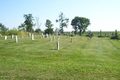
pixel 22 27
pixel 29 22
pixel 63 21
pixel 48 24
pixel 2 27
pixel 80 23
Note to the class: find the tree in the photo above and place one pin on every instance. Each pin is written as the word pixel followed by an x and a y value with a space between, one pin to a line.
pixel 80 23
pixel 49 25
pixel 29 22
pixel 38 31
pixel 63 22
pixel 3 29
pixel 49 31
pixel 22 27
pixel 38 24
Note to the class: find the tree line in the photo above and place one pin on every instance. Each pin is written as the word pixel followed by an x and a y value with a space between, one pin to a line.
pixel 78 23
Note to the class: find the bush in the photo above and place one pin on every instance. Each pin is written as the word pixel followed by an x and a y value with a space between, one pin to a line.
pixel 101 36
pixel 22 32
pixel 49 31
pixel 88 35
pixel 72 35
pixel 113 37
pixel 13 31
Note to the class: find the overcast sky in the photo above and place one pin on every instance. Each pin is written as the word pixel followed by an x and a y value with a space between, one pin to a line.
pixel 103 14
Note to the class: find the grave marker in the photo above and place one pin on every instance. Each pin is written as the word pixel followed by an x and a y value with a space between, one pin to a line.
pixel 89 34
pixel 12 36
pixel 0 35
pixel 71 39
pixel 50 39
pixel 5 37
pixel 100 32
pixel 32 37
pixel 57 45
pixel 16 40
pixel 116 36
pixel 54 38
pixel 29 34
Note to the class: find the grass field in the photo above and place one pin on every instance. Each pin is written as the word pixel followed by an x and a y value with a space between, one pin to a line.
pixel 84 58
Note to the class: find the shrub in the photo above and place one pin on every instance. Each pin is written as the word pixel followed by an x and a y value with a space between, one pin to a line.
pixel 72 35
pixel 22 32
pixel 113 37
pixel 13 31
pixel 101 36
pixel 88 35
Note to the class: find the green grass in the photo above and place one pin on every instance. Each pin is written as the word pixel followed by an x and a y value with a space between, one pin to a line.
pixel 84 58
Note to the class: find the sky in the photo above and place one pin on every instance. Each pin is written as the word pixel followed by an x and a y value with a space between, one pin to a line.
pixel 103 14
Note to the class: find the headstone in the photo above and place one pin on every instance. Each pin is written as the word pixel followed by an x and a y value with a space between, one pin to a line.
pixel 40 36
pixel 100 32
pixel 16 40
pixel 5 37
pixel 12 36
pixel 57 45
pixel 58 37
pixel 0 35
pixel 32 37
pixel 29 34
pixel 50 39
pixel 72 32
pixel 71 39
pixel 59 33
pixel 89 34
pixel 22 37
pixel 46 35
pixel 43 36
pixel 116 36
pixel 56 31
pixel 54 38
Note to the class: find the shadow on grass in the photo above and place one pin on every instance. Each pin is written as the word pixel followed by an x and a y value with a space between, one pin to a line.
pixel 52 49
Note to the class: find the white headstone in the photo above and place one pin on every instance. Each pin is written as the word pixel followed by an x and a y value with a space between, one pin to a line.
pixel 16 40
pixel 43 36
pixel 5 37
pixel 57 45
pixel 32 37
pixel 22 37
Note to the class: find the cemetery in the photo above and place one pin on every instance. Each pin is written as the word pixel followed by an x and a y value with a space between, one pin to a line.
pixel 43 56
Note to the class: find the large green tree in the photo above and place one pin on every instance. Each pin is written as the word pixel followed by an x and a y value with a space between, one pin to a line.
pixel 29 22
pixel 49 25
pixel 80 23
pixel 62 21
pixel 3 29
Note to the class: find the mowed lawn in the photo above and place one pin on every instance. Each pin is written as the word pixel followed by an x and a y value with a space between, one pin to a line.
pixel 82 59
